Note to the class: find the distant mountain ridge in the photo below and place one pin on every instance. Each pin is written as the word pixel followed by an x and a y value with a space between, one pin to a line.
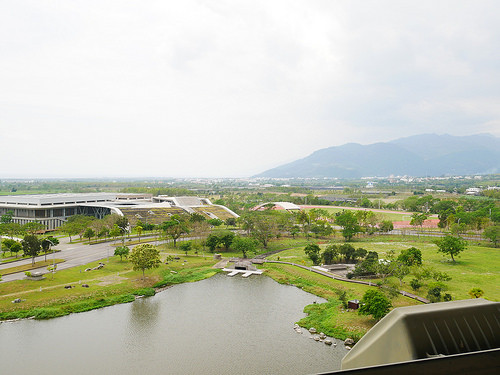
pixel 419 155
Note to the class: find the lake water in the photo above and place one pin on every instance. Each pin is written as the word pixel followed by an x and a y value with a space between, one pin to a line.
pixel 220 325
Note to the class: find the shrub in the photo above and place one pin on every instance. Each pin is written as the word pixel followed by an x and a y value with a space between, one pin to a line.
pixel 415 284
pixel 375 303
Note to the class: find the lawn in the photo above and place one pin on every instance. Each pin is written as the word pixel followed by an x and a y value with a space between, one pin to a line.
pixel 116 282
pixel 330 318
pixel 478 266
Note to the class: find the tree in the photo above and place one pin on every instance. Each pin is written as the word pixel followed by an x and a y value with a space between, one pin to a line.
pixel 348 252
pixel 312 251
pixel 349 223
pixel 89 233
pixel 451 245
pixel 145 257
pixel 197 218
pixel 175 228
pixel 215 222
pixel 7 217
pixel 186 246
pixel 375 303
pixel 264 228
pixel 244 244
pixel 76 225
pixel 33 227
pixel 231 221
pixel 330 254
pixel 417 219
pixel 122 223
pixel 15 248
pixel 400 270
pixel 493 234
pixel 122 251
pixel 115 232
pixel 226 238
pixel 139 229
pixel 47 243
pixel 7 245
pixel 31 246
pixel 411 257
pixel 386 226
pixel 212 242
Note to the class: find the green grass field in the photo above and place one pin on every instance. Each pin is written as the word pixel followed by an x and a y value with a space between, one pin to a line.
pixel 477 266
pixel 115 279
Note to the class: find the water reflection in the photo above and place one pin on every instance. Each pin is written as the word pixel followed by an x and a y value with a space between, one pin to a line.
pixel 216 326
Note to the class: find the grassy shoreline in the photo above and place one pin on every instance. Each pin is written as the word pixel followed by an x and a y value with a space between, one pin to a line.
pixel 114 284
pixel 329 317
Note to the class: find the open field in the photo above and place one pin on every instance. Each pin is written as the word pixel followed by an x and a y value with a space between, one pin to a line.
pixel 477 266
pixel 115 283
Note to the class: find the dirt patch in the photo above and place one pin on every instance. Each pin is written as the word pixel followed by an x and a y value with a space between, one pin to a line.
pixel 110 280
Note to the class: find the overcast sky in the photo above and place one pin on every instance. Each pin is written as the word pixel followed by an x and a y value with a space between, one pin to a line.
pixel 232 88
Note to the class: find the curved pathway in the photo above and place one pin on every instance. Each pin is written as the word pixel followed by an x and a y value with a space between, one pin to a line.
pixel 331 276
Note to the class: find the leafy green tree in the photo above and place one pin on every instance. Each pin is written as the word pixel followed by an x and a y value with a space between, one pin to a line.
pixel 348 252
pixel 375 303
pixel 330 254
pixel 212 242
pixel 231 221
pixel 7 244
pixel 115 232
pixel 349 223
pixel 47 243
pixel 186 246
pixel 246 245
pixel 451 245
pixel 122 251
pixel 417 219
pixel 89 233
pixel 264 228
pixel 197 218
pixel 386 226
pixel 215 222
pixel 226 239
pixel 415 284
pixel 7 217
pixel 175 228
pixel 145 257
pixel 31 246
pixel 139 229
pixel 312 250
pixel 360 253
pixel 411 257
pixel 16 248
pixel 33 227
pixel 400 270
pixel 493 234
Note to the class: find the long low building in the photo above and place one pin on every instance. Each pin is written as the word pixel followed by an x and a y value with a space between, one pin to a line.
pixel 52 210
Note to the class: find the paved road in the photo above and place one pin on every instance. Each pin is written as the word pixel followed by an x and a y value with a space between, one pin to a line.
pixel 74 255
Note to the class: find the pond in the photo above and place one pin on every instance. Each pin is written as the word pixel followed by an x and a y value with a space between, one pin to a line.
pixel 220 325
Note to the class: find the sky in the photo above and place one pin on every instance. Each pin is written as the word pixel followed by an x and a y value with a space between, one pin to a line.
pixel 232 88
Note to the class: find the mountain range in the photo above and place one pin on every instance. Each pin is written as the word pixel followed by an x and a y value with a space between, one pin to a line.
pixel 419 155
